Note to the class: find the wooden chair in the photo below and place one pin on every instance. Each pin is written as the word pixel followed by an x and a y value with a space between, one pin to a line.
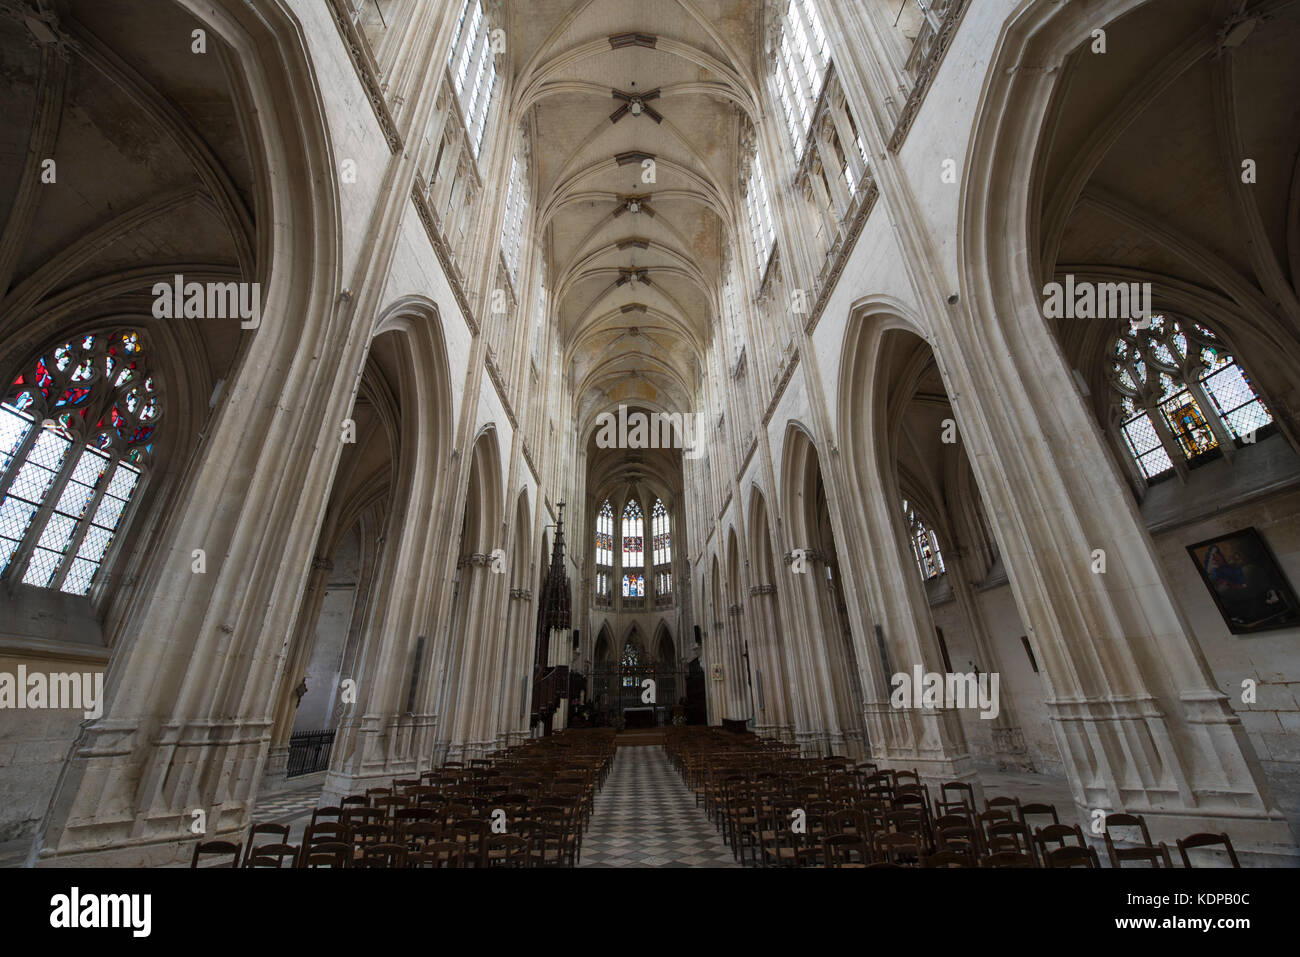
pixel 1154 855
pixel 279 831
pixel 955 796
pixel 217 849
pixel 845 850
pixel 1194 841
pixel 1057 836
pixel 1008 836
pixel 551 837
pixel 898 848
pixel 471 835
pixel 505 850
pixel 382 855
pixel 368 835
pixel 777 840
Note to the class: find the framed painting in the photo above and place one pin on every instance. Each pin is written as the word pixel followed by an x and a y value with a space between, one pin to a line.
pixel 1247 583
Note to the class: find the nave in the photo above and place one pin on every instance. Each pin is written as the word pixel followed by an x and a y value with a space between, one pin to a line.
pixel 389 536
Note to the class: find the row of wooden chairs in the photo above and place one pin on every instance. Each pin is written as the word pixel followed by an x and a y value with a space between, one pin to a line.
pixel 743 782
pixel 525 806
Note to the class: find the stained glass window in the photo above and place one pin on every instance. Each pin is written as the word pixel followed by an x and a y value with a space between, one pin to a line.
pixel 633 586
pixel 925 545
pixel 1169 380
pixel 663 550
pixel 76 432
pixel 629 663
pixel 604 547
pixel 633 546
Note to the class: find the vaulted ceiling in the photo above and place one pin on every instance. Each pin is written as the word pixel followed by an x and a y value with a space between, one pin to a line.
pixel 636 112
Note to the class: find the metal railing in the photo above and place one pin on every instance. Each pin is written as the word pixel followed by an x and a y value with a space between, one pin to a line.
pixel 309 751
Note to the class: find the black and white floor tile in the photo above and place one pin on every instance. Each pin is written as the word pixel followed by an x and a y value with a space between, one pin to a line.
pixel 646 817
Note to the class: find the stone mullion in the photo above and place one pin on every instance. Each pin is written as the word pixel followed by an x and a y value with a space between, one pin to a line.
pixel 1212 418
pixel 838 111
pixel 831 168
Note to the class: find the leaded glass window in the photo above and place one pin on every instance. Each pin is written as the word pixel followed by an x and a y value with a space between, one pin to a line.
pixel 76 431
pixel 1180 393
pixel 633 536
pixel 925 545
pixel 662 548
pixel 473 69
pixel 604 547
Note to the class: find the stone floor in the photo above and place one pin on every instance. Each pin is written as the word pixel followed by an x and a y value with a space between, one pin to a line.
pixel 646 817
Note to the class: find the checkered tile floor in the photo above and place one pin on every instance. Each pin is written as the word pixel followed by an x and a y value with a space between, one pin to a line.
pixel 286 806
pixel 645 817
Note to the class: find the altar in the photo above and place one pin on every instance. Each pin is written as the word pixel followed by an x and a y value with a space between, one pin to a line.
pixel 639 717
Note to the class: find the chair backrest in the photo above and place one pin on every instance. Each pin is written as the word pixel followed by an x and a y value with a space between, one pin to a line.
pixel 1038 810
pixel 1121 819
pixel 1060 835
pixel 356 816
pixel 1071 856
pixel 326 832
pixel 364 835
pixel 948 859
pixel 906 777
pixel 438 854
pixel 332 812
pixel 383 855
pixel 1157 855
pixel 408 815
pixel 273 855
pixel 1007 859
pixel 218 849
pixel 1003 802
pixel 325 854
pixel 356 800
pixel 955 819
pixel 961 838
pixel 906 821
pixel 389 804
pixel 1206 840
